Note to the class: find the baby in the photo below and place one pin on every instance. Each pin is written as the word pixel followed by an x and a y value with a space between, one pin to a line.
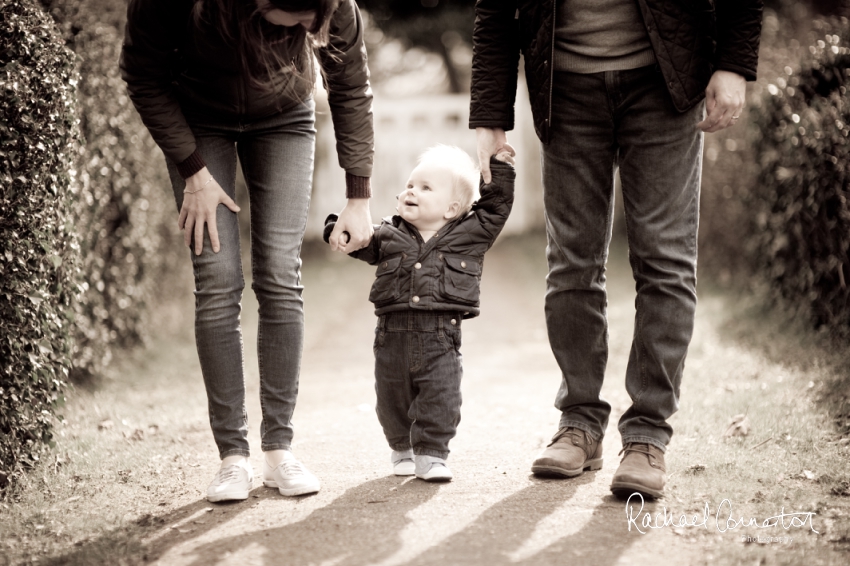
pixel 429 259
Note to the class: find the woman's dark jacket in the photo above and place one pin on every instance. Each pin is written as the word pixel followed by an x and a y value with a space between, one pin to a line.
pixel 443 273
pixel 691 39
pixel 175 69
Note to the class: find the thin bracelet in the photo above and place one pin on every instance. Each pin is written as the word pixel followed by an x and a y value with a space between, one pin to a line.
pixel 199 190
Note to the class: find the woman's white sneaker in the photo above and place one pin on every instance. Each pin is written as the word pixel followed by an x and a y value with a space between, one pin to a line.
pixel 403 464
pixel 431 468
pixel 291 477
pixel 232 482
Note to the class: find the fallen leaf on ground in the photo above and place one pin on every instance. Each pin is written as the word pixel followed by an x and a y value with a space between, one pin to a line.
pixel 808 475
pixel 105 424
pixel 137 434
pixel 738 426
pixel 696 468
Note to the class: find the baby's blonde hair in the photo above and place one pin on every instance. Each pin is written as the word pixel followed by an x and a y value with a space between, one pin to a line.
pixel 463 169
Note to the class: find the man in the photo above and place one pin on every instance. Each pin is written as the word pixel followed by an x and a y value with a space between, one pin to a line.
pixel 616 83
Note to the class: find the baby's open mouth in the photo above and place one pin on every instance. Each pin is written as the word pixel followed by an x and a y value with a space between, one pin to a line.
pixel 410 203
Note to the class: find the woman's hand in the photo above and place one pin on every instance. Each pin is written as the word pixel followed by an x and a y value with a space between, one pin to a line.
pixel 200 200
pixel 724 100
pixel 356 220
pixel 491 141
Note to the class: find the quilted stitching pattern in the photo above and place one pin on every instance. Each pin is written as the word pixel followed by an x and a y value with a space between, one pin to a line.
pixel 494 65
pixel 469 237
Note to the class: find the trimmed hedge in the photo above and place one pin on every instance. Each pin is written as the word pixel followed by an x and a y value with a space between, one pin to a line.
pixel 125 212
pixel 88 235
pixel 799 210
pixel 38 251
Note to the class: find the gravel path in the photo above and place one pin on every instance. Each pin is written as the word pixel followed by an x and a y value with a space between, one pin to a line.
pixel 495 511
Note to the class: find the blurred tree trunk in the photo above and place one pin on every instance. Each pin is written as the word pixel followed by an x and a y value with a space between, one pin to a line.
pixel 438 26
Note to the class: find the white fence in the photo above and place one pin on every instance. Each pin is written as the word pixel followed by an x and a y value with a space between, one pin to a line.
pixel 404 128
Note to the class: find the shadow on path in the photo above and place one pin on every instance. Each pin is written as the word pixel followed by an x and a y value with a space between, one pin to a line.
pixel 499 535
pixel 362 526
pixel 151 535
pixel 601 541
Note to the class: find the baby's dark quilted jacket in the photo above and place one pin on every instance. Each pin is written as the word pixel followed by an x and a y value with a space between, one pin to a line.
pixel 443 273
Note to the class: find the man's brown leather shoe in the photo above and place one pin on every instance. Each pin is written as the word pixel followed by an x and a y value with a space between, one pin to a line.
pixel 641 470
pixel 571 452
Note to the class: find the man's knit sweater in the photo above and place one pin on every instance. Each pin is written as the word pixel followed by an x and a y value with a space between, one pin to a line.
pixel 600 35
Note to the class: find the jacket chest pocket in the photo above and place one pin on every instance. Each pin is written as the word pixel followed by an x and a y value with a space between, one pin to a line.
pixel 461 278
pixel 386 287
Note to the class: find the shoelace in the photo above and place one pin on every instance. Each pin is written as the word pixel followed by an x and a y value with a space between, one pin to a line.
pixel 291 468
pixel 228 474
pixel 573 434
pixel 641 449
pixel 634 448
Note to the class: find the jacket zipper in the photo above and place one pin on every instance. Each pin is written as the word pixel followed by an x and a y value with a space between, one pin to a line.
pixel 240 97
pixel 551 69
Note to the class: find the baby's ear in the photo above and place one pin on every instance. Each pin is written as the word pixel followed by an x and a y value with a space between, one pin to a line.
pixel 452 211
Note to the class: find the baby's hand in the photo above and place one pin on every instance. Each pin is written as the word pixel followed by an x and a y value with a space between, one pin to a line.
pixel 506 157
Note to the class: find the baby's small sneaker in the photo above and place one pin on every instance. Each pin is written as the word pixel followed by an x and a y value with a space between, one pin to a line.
pixel 431 468
pixel 291 477
pixel 403 464
pixel 232 482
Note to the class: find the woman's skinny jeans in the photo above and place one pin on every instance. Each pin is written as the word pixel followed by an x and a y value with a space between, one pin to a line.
pixel 276 155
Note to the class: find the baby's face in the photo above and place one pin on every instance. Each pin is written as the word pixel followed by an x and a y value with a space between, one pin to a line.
pixel 428 201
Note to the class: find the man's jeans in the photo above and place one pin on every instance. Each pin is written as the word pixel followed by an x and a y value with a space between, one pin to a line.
pixel 276 155
pixel 418 368
pixel 601 121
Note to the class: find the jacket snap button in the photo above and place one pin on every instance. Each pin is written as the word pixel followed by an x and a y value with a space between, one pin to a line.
pixel 463 264
pixel 440 256
pixel 415 299
pixel 418 265
pixel 454 322
pixel 384 265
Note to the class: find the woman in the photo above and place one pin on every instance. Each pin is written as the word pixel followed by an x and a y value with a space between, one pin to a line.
pixel 217 79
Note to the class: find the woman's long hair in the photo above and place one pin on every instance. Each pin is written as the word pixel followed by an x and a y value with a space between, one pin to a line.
pixel 271 55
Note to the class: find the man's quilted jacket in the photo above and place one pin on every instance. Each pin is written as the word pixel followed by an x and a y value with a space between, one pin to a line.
pixel 691 39
pixel 443 273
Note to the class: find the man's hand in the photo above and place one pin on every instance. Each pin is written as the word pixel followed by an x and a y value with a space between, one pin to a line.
pixel 491 141
pixel 724 100
pixel 356 220
pixel 200 200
